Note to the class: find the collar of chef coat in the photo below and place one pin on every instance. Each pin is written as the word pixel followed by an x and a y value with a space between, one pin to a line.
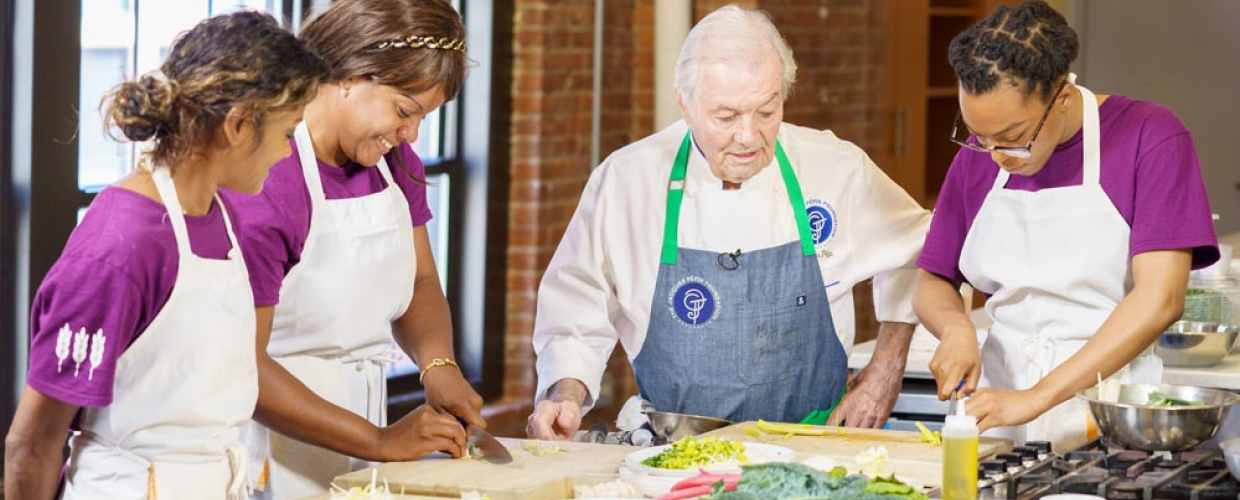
pixel 700 178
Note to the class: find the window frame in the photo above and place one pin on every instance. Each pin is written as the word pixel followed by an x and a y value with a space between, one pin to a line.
pixel 9 345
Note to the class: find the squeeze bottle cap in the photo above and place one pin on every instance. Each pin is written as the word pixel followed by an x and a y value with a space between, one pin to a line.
pixel 960 419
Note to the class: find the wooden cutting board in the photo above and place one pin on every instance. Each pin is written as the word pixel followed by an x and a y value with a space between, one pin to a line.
pixel 907 456
pixel 527 477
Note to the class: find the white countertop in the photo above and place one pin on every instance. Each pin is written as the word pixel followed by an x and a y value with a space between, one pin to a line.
pixel 1225 375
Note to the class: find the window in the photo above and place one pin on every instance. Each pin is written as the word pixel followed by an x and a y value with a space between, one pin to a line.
pixel 61 158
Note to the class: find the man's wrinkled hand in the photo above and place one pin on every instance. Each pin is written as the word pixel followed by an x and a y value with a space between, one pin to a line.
pixel 869 401
pixel 554 420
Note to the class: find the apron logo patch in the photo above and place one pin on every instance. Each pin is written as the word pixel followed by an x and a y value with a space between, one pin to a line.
pixel 693 301
pixel 800 300
pixel 822 220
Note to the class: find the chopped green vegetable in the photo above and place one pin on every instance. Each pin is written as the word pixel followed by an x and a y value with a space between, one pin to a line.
pixel 892 486
pixel 1159 399
pixel 791 481
pixel 690 452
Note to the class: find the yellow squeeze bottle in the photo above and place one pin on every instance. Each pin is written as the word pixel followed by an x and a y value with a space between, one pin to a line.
pixel 960 456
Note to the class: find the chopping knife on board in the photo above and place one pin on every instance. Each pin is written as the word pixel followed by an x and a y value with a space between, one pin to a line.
pixel 482 445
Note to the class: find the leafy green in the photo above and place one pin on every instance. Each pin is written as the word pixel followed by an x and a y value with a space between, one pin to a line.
pixel 892 486
pixel 1160 399
pixel 791 481
pixel 1206 305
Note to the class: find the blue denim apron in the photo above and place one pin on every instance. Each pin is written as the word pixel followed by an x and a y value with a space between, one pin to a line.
pixel 740 336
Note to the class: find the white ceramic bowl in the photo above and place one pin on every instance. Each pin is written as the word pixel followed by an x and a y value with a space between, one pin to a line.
pixel 1231 451
pixel 756 452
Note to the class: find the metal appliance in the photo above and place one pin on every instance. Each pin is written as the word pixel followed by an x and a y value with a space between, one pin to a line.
pixel 1108 472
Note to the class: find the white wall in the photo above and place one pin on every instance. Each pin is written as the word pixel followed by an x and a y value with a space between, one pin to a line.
pixel 1184 55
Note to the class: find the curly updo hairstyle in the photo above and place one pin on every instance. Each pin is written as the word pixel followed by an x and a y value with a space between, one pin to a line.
pixel 1031 46
pixel 239 59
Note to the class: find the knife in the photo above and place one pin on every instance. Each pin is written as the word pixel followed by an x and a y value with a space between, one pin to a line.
pixel 481 444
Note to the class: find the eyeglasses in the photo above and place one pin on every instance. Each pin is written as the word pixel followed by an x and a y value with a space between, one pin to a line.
pixel 1013 151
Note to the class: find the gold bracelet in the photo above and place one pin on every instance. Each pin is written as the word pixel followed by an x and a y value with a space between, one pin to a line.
pixel 436 363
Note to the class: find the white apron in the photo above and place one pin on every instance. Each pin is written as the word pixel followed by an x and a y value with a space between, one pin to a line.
pixel 1055 263
pixel 183 389
pixel 333 326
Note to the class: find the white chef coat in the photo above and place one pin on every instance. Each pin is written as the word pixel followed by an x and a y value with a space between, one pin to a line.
pixel 599 284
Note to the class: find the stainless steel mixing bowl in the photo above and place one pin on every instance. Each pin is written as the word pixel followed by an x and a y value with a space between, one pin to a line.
pixel 673 426
pixel 1132 423
pixel 1195 344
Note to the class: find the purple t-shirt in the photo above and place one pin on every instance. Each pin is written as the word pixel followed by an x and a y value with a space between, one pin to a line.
pixel 1149 171
pixel 114 276
pixel 274 224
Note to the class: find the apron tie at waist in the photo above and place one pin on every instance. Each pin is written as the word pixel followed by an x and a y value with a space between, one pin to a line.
pixel 374 407
pixel 235 454
pixel 238 461
pixel 1039 352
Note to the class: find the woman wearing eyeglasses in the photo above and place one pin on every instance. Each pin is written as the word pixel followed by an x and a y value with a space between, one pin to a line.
pixel 1079 215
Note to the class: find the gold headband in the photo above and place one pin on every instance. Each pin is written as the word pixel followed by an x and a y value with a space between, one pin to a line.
pixel 429 42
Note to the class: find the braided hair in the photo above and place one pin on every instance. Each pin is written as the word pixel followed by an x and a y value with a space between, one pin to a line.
pixel 1030 45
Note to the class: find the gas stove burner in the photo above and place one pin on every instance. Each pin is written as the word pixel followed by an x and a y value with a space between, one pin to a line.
pixel 1112 473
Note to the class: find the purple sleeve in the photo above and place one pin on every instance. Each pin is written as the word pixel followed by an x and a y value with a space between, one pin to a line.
pixel 84 316
pixel 1172 210
pixel 414 191
pixel 272 227
pixel 949 225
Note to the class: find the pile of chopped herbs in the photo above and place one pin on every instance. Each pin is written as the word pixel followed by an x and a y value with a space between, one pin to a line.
pixel 688 452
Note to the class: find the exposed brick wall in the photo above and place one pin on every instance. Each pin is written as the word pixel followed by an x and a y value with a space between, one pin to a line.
pixel 552 84
pixel 838 49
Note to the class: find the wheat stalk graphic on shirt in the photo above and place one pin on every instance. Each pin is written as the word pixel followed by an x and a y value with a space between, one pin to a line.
pixel 62 345
pixel 80 339
pixel 97 343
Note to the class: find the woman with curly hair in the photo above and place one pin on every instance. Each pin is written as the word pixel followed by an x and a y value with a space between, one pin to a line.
pixel 1079 215
pixel 142 333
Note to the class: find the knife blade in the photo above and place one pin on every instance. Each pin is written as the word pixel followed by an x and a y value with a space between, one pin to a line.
pixel 481 444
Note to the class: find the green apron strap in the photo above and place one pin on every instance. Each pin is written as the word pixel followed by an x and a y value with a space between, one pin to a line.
pixel 797 200
pixel 676 195
pixel 820 417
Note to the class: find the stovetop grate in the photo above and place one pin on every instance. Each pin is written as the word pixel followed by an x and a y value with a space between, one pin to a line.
pixel 1097 469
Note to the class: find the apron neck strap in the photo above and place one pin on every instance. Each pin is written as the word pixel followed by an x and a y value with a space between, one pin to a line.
pixel 1090 141
pixel 162 175
pixel 1091 135
pixel 309 162
pixel 676 194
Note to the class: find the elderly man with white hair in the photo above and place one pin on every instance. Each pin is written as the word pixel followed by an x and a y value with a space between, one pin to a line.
pixel 722 251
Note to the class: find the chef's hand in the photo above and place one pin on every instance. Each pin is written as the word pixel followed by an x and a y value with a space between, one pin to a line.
pixel 870 397
pixel 1005 407
pixel 558 417
pixel 957 357
pixel 447 389
pixel 424 430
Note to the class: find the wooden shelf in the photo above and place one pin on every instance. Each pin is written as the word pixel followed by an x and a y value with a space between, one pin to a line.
pixel 941 92
pixel 953 12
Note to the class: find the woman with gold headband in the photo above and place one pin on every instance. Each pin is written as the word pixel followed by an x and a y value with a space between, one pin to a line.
pixel 340 261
